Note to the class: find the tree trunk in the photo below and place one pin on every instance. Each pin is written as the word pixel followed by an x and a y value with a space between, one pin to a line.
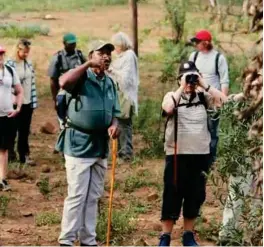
pixel 133 5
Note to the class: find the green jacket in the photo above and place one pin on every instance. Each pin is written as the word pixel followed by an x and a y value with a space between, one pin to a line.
pixel 94 110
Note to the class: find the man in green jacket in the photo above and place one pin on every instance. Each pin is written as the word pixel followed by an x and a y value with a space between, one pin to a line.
pixel 91 118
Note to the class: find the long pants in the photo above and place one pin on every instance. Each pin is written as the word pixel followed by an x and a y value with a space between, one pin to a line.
pixel 125 146
pixel 233 206
pixel 214 140
pixel 22 128
pixel 85 177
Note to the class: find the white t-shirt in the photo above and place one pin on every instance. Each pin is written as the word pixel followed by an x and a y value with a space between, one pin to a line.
pixel 205 63
pixel 25 75
pixel 6 83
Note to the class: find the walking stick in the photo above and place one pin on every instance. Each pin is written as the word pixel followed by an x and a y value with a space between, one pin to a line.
pixel 114 154
pixel 175 111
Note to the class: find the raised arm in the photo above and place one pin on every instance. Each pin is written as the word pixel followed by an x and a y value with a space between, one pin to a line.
pixel 168 102
pixel 68 80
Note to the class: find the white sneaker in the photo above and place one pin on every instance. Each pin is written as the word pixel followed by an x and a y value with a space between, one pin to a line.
pixel 4 186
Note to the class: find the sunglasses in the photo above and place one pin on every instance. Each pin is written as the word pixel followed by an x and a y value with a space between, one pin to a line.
pixel 25 42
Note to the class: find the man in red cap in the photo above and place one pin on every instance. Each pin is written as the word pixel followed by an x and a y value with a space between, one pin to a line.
pixel 214 69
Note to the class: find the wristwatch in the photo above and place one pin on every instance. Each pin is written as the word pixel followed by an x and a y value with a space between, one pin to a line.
pixel 207 89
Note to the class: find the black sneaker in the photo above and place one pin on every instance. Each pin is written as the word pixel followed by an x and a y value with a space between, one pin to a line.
pixel 188 239
pixel 4 186
pixel 165 239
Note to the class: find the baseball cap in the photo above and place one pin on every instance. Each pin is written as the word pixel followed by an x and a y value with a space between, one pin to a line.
pixel 2 50
pixel 99 44
pixel 185 67
pixel 69 38
pixel 202 35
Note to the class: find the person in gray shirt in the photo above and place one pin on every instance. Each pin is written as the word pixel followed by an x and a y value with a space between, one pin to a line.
pixel 214 69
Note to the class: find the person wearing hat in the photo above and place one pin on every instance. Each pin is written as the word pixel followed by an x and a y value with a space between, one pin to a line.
pixel 93 108
pixel 8 80
pixel 214 70
pixel 185 181
pixel 24 68
pixel 63 61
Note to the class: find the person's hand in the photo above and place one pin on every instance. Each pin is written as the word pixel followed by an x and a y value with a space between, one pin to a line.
pixel 13 113
pixel 201 82
pixel 183 83
pixel 95 62
pixel 113 131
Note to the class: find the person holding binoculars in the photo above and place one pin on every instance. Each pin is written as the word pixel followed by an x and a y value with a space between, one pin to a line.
pixel 187 148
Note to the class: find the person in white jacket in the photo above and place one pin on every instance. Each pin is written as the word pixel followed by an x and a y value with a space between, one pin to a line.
pixel 124 72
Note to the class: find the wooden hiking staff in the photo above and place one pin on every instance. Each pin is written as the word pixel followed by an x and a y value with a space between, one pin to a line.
pixel 114 157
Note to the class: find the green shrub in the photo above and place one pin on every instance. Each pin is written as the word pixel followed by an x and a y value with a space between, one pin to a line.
pixel 4 201
pixel 47 218
pixel 15 30
pixel 44 186
pixel 123 224
pixel 46 5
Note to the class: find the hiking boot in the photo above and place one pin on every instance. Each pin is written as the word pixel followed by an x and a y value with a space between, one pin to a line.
pixel 4 186
pixel 165 239
pixel 188 239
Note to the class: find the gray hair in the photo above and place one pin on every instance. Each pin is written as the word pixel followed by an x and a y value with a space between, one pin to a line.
pixel 121 39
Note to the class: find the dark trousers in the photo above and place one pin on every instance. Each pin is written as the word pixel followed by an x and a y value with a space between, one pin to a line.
pixel 125 146
pixel 189 190
pixel 214 140
pixel 22 129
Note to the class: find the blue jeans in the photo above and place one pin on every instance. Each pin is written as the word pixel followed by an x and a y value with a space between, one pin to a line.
pixel 214 124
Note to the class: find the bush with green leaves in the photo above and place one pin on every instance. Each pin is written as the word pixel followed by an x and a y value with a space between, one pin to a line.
pixel 47 219
pixel 123 224
pixel 235 159
pixel 175 13
pixel 16 30
pixel 4 201
pixel 48 5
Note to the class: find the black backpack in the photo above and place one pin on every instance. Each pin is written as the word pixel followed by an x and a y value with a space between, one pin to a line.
pixel 216 61
pixel 59 64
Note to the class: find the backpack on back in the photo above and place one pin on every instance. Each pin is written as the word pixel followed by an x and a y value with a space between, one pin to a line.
pixel 61 98
pixel 216 61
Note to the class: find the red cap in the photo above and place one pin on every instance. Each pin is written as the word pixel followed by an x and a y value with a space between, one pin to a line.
pixel 203 35
pixel 2 49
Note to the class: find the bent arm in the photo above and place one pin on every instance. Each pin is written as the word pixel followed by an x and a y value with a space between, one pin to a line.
pixel 19 95
pixel 68 80
pixel 168 103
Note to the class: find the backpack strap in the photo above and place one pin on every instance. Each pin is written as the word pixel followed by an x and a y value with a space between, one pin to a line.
pixel 59 64
pixel 10 70
pixel 202 100
pixel 195 56
pixel 80 55
pixel 217 63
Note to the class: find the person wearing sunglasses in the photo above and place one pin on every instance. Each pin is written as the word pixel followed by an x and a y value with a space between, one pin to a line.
pixel 9 81
pixel 214 70
pixel 25 70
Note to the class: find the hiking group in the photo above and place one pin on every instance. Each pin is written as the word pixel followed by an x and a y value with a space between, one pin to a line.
pixel 95 99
